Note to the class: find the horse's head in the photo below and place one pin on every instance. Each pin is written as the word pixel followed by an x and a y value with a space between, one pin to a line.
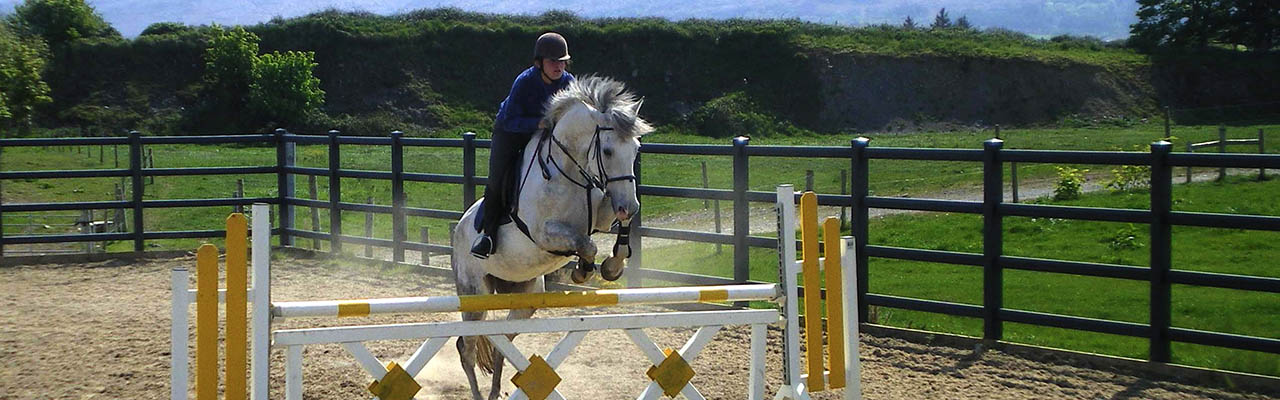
pixel 599 120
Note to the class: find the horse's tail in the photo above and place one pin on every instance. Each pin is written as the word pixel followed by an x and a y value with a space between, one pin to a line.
pixel 483 351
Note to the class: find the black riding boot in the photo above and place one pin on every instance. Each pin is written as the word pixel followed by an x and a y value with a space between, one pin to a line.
pixel 504 165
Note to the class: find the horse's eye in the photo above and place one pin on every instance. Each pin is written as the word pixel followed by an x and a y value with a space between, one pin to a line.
pixel 608 152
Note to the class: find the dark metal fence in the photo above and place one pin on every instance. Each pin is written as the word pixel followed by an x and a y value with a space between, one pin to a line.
pixel 993 262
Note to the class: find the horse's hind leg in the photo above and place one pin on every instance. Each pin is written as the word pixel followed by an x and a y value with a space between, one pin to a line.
pixel 533 286
pixel 467 354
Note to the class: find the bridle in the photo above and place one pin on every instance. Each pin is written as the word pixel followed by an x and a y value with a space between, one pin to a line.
pixel 587 181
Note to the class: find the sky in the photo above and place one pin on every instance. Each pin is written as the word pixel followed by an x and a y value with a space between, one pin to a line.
pixel 1106 19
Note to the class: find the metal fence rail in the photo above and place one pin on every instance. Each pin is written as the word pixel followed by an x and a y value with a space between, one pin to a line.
pixel 1160 218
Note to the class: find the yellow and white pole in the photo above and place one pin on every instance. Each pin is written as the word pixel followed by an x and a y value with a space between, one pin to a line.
pixel 595 298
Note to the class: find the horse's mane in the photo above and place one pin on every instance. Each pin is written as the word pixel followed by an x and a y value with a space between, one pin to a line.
pixel 605 95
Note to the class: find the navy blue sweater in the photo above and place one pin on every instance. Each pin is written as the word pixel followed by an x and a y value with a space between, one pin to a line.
pixel 523 107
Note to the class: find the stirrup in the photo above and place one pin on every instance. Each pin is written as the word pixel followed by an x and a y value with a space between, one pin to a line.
pixel 482 247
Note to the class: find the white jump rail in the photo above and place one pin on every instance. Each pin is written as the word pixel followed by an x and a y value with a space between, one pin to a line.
pixel 841 324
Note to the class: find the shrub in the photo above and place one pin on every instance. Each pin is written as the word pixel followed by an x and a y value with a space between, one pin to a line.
pixel 1070 183
pixel 1129 177
pixel 284 88
pixel 734 114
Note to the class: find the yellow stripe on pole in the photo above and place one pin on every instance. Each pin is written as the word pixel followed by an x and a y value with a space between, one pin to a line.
pixel 812 289
pixel 353 309
pixel 713 295
pixel 207 322
pixel 536 300
pixel 237 306
pixel 835 305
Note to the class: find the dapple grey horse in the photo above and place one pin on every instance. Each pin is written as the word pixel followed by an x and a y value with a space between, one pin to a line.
pixel 575 179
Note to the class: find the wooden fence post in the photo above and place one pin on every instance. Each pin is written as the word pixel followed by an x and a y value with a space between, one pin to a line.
pixel 315 212
pixel 1222 148
pixel 1262 149
pixel 1161 243
pixel 135 167
pixel 705 203
pixel 335 195
pixel 368 229
pixel 426 255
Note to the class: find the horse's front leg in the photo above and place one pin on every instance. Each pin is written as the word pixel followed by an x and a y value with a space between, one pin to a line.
pixel 561 238
pixel 611 268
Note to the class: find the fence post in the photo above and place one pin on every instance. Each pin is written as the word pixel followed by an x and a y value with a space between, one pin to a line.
pixel 1262 149
pixel 1013 180
pixel 426 255
pixel 844 191
pixel 86 218
pixel 115 151
pixel 715 212
pixel 741 212
pixel 335 195
pixel 151 163
pixel 285 152
pixel 239 195
pixel 858 224
pixel 993 240
pixel 705 203
pixel 315 212
pixel 102 158
pixel 1189 149
pixel 468 170
pixel 1222 148
pixel 368 228
pixel 1161 238
pixel 808 180
pixel 135 168
pixel 398 234
pixel 633 272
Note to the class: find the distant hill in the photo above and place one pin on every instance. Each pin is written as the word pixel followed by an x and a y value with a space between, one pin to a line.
pixel 1106 19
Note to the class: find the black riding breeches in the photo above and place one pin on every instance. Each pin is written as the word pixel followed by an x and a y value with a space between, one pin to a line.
pixel 504 167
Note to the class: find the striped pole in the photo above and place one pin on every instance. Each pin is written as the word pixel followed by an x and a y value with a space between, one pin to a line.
pixel 471 303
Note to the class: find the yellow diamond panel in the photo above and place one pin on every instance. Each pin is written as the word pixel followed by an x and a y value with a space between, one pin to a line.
pixel 672 374
pixel 537 381
pixel 395 385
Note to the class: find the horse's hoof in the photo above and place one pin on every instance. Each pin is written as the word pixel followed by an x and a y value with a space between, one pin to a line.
pixel 611 269
pixel 579 276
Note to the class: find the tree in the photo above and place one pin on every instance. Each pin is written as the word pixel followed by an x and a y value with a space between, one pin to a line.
pixel 941 21
pixel 165 28
pixel 1254 24
pixel 61 21
pixel 1183 23
pixel 284 89
pixel 21 87
pixel 228 70
pixel 909 24
pixel 963 23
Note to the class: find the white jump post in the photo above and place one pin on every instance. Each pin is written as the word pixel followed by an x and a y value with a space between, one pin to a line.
pixel 395 381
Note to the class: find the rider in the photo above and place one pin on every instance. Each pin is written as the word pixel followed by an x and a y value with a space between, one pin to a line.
pixel 519 116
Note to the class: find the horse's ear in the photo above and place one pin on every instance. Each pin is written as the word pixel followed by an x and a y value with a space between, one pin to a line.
pixel 635 110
